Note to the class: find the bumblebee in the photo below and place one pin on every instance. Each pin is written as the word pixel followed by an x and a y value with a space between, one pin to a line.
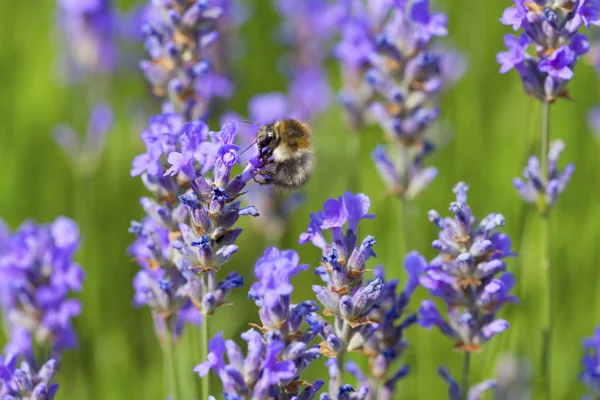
pixel 286 146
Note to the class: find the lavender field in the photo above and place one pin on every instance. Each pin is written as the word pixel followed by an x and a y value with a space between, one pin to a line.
pixel 444 244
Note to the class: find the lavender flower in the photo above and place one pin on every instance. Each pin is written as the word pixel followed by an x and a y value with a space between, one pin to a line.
pixel 24 382
pixel 180 67
pixel 386 344
pixel 464 275
pixel 280 350
pixel 544 191
pixel 393 75
pixel 189 232
pixel 88 33
pixel 346 391
pixel 551 29
pixel 37 275
pixel 591 364
pixel 84 155
pixel 368 316
pixel 475 393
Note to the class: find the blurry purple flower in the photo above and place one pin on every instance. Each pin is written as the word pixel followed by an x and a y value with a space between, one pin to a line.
pixel 37 274
pixel 542 191
pixel 88 31
pixel 593 120
pixel 85 155
pixel 590 375
pixel 25 382
pixel 183 71
pixel 393 76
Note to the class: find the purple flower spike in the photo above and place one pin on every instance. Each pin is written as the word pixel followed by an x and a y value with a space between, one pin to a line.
pixel 547 67
pixel 183 71
pixel 88 31
pixel 26 382
pixel 37 274
pixel 368 314
pixel 190 232
pixel 542 191
pixel 464 276
pixel 591 360
pixel 280 350
pixel 393 75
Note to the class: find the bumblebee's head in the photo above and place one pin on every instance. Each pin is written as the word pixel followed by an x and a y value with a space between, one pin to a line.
pixel 267 137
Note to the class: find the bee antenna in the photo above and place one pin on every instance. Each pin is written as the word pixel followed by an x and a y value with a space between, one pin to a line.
pixel 251 122
pixel 251 144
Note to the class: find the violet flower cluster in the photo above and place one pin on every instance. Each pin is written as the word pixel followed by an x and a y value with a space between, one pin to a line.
pixel 37 279
pixel 369 317
pixel 180 68
pixel 189 232
pixel 280 350
pixel 551 31
pixel 393 75
pixel 85 155
pixel 307 29
pixel 543 191
pixel 25 382
pixel 88 33
pixel 475 393
pixel 590 375
pixel 466 276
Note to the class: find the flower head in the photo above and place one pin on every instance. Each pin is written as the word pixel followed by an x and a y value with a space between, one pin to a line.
pixel 393 75
pixel 189 232
pixel 25 382
pixel 550 28
pixel 590 375
pixel 37 276
pixel 181 62
pixel 88 33
pixel 281 349
pixel 543 191
pixel 465 275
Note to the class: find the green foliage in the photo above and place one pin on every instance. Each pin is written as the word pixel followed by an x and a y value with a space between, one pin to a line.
pixel 493 126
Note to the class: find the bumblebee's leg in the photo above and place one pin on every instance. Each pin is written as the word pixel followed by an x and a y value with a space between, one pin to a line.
pixel 264 181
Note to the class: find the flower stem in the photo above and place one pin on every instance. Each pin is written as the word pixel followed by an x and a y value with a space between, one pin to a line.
pixel 345 338
pixel 205 384
pixel 465 375
pixel 545 256
pixel 354 160
pixel 170 364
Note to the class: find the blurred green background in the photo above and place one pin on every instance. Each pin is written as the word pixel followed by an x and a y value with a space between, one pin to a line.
pixel 492 122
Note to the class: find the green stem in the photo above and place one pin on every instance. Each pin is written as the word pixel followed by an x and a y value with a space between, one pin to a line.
pixel 465 375
pixel 205 384
pixel 170 364
pixel 545 256
pixel 195 339
pixel 354 160
pixel 345 338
